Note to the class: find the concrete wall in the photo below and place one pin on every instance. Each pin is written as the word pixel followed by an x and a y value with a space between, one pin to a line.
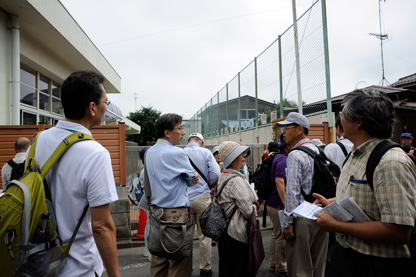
pixel 5 70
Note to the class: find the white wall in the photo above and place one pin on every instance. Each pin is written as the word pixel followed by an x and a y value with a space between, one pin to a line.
pixel 5 70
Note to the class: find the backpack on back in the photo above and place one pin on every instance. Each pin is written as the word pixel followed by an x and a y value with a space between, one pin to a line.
pixel 325 176
pixel 29 242
pixel 261 178
pixel 17 169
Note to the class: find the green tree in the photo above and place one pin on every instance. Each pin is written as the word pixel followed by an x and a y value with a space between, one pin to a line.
pixel 289 103
pixel 145 117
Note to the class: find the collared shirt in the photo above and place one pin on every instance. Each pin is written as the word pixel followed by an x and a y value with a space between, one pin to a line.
pixel 334 152
pixel 170 173
pixel 82 175
pixel 207 164
pixel 393 198
pixel 299 174
pixel 236 193
pixel 6 171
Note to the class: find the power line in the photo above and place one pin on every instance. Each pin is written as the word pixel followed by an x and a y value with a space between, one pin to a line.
pixel 194 25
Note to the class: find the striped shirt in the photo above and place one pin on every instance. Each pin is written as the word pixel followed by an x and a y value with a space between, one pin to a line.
pixel 299 174
pixel 236 193
pixel 392 201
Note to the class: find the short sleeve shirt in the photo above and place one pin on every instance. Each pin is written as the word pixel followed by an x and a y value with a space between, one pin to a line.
pixel 391 201
pixel 278 171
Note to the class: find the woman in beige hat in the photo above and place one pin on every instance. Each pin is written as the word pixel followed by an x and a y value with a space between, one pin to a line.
pixel 236 197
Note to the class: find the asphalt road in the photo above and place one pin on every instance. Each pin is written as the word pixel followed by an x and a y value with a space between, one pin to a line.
pixel 133 263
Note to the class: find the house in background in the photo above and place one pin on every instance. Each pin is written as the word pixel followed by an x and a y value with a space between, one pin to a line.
pixel 40 45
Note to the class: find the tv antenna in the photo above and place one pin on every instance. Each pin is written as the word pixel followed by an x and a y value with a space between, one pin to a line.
pixel 381 37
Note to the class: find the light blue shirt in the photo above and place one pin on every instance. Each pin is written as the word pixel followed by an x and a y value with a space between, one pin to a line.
pixel 170 174
pixel 207 164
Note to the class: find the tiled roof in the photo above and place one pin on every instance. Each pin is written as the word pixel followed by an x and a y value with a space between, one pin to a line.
pixel 405 80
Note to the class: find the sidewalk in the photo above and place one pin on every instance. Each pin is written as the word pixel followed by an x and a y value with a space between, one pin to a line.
pixel 136 242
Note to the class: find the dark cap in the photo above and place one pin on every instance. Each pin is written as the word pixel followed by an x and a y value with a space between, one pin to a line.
pixel 406 135
pixel 142 152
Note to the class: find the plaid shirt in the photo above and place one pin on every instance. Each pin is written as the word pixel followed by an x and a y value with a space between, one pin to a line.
pixel 393 199
pixel 236 193
pixel 299 174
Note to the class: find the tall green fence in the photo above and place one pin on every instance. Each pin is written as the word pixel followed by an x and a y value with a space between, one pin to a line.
pixel 266 89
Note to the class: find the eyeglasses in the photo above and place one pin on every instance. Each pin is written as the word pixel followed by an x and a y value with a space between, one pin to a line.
pixel 107 102
pixel 179 128
pixel 285 128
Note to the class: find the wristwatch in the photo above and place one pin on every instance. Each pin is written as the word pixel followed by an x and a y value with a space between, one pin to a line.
pixel 288 225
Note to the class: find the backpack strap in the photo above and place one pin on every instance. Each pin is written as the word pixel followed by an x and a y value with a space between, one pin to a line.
pixel 12 163
pixel 342 146
pixel 307 150
pixel 375 158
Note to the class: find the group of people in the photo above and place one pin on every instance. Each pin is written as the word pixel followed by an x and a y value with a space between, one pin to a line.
pixel 180 186
pixel 379 247
pixel 299 247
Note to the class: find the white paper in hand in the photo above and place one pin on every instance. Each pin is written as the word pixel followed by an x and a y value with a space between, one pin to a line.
pixel 306 210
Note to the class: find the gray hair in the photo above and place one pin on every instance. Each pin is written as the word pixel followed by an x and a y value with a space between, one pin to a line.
pixel 374 108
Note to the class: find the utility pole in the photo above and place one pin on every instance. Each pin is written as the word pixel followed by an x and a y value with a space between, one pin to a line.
pixel 295 33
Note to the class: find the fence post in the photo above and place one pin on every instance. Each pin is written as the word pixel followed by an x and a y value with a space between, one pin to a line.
pixel 239 107
pixel 280 76
pixel 256 102
pixel 327 76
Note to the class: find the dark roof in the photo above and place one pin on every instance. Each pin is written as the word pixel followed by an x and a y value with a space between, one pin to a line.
pixel 405 80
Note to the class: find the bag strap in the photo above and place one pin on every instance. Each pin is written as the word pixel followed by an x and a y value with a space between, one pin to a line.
pixel 200 173
pixel 12 163
pixel 235 207
pixel 147 189
pixel 375 158
pixel 307 150
pixel 342 146
pixel 79 224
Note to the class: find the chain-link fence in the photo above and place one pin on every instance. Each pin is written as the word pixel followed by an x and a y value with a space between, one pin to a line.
pixel 266 89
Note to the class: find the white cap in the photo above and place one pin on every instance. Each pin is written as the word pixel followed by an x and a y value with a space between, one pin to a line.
pixel 198 135
pixel 317 142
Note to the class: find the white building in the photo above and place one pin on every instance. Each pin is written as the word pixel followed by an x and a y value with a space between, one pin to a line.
pixel 40 45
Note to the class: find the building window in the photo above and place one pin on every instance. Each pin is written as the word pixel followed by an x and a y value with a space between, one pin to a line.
pixel 40 98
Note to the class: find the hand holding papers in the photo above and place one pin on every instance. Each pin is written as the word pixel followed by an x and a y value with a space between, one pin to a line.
pixel 346 210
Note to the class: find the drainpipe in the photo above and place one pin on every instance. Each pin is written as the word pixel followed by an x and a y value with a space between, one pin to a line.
pixel 15 70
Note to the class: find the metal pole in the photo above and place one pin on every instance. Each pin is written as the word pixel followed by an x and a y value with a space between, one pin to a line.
pixel 280 76
pixel 256 100
pixel 226 92
pixel 239 107
pixel 295 33
pixel 15 70
pixel 327 73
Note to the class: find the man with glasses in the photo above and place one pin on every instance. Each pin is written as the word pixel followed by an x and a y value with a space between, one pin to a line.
pixel 379 247
pixel 169 174
pixel 306 243
pixel 82 175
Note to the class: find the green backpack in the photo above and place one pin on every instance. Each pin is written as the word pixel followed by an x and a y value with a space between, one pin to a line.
pixel 29 242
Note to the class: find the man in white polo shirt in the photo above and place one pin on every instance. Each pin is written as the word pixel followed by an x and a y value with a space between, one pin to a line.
pixel 83 175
